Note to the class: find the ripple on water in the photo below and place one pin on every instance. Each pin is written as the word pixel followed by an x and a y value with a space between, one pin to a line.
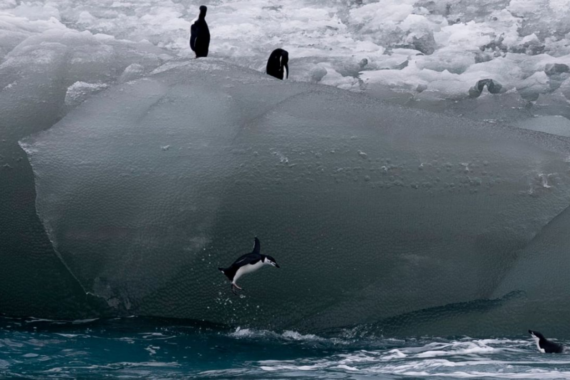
pixel 147 348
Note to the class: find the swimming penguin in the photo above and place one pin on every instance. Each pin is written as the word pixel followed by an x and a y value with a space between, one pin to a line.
pixel 278 64
pixel 200 34
pixel 544 345
pixel 247 263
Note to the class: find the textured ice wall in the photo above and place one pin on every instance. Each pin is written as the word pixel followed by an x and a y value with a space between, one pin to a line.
pixel 48 67
pixel 40 62
pixel 373 211
pixel 542 273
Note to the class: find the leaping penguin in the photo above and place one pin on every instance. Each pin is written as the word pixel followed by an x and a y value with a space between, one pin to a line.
pixel 200 34
pixel 250 262
pixel 278 64
pixel 544 345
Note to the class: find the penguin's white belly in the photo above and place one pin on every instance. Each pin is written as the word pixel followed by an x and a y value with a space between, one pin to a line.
pixel 248 268
pixel 537 341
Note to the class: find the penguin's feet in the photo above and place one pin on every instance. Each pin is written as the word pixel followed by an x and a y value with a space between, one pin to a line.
pixel 234 287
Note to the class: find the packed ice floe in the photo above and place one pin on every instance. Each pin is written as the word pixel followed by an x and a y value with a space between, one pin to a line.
pixel 426 50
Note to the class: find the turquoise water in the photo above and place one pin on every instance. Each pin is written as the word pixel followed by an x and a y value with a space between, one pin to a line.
pixel 174 349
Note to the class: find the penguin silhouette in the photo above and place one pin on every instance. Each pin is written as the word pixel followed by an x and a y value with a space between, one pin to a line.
pixel 200 34
pixel 278 64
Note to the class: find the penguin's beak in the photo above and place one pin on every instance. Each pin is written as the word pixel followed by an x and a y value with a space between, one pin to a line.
pixel 277 265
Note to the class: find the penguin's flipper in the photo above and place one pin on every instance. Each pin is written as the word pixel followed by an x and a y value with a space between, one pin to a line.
pixel 256 246
pixel 193 36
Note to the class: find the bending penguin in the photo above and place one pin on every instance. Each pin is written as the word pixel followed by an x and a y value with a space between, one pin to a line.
pixel 278 64
pixel 250 262
pixel 544 345
pixel 200 34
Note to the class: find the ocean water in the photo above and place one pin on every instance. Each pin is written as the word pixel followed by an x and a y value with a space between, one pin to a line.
pixel 176 349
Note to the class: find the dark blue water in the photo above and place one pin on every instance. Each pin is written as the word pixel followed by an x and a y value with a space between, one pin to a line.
pixel 173 349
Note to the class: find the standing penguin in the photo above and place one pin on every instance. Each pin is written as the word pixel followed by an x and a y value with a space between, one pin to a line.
pixel 247 263
pixel 200 34
pixel 278 64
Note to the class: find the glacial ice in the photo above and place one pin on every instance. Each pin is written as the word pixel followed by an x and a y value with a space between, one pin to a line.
pixel 458 200
pixel 541 273
pixel 372 210
pixel 41 64
pixel 78 92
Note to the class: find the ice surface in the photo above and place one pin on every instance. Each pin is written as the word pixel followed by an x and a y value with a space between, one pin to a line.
pixel 412 46
pixel 40 62
pixel 499 61
pixel 540 272
pixel 371 210
pixel 556 125
pixel 78 92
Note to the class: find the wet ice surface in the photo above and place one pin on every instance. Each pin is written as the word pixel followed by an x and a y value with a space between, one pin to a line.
pixel 558 125
pixel 419 52
pixel 160 349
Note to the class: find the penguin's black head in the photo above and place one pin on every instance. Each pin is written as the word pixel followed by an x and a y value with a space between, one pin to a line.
pixel 271 261
pixel 279 55
pixel 285 56
pixel 203 10
pixel 536 334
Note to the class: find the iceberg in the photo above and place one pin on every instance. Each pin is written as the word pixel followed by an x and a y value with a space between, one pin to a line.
pixel 372 210
pixel 540 273
pixel 41 62
pixel 150 171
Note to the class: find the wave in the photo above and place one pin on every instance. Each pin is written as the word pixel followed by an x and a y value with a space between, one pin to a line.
pixel 161 348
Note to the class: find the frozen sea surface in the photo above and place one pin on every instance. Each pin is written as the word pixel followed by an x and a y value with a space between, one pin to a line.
pixel 175 349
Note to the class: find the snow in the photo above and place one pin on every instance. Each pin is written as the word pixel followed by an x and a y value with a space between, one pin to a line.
pixel 410 46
